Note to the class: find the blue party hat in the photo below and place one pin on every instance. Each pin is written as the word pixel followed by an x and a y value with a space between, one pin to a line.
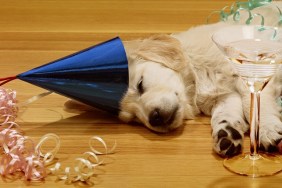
pixel 96 76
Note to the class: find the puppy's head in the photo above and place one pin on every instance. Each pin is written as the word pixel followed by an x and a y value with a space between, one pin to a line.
pixel 161 92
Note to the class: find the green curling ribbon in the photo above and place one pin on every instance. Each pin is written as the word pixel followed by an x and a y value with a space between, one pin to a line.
pixel 248 6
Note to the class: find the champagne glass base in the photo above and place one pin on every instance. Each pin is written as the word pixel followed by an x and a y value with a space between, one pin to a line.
pixel 254 166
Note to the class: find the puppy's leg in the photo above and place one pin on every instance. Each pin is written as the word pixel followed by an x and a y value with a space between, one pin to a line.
pixel 270 116
pixel 270 124
pixel 228 125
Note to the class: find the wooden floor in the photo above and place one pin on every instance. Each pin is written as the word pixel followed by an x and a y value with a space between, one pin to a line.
pixel 34 32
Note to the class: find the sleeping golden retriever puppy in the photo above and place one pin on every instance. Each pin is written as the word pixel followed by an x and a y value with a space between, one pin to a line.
pixel 175 77
pixel 160 81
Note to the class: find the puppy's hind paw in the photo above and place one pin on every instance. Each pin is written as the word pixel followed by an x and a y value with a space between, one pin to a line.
pixel 228 141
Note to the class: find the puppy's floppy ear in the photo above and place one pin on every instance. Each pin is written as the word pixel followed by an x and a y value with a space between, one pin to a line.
pixel 127 113
pixel 163 49
pixel 131 47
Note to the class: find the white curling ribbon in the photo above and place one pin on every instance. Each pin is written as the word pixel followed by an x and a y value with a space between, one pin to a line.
pixel 84 167
pixel 34 98
pixel 65 176
pixel 67 172
pixel 82 171
pixel 55 169
pixel 90 154
pixel 107 151
pixel 49 156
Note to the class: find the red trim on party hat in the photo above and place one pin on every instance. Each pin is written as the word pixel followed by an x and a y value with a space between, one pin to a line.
pixel 7 79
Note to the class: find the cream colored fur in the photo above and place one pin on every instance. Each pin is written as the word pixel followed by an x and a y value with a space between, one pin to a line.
pixel 184 74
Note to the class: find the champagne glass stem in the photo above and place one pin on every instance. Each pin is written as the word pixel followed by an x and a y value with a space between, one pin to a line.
pixel 254 123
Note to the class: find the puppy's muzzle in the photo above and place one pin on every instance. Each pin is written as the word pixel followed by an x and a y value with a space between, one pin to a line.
pixel 158 117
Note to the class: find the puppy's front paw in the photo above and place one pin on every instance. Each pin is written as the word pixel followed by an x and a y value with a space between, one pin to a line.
pixel 270 137
pixel 228 139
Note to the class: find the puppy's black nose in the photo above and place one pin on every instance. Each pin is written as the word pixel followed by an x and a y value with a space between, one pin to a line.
pixel 159 118
pixel 155 118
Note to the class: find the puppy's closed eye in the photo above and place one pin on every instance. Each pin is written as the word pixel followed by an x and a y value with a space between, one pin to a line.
pixel 140 86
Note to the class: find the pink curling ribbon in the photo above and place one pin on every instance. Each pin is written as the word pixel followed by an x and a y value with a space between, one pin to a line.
pixel 18 150
pixel 19 154
pixel 8 108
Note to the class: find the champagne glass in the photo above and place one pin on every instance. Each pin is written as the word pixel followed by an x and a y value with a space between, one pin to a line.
pixel 256 54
